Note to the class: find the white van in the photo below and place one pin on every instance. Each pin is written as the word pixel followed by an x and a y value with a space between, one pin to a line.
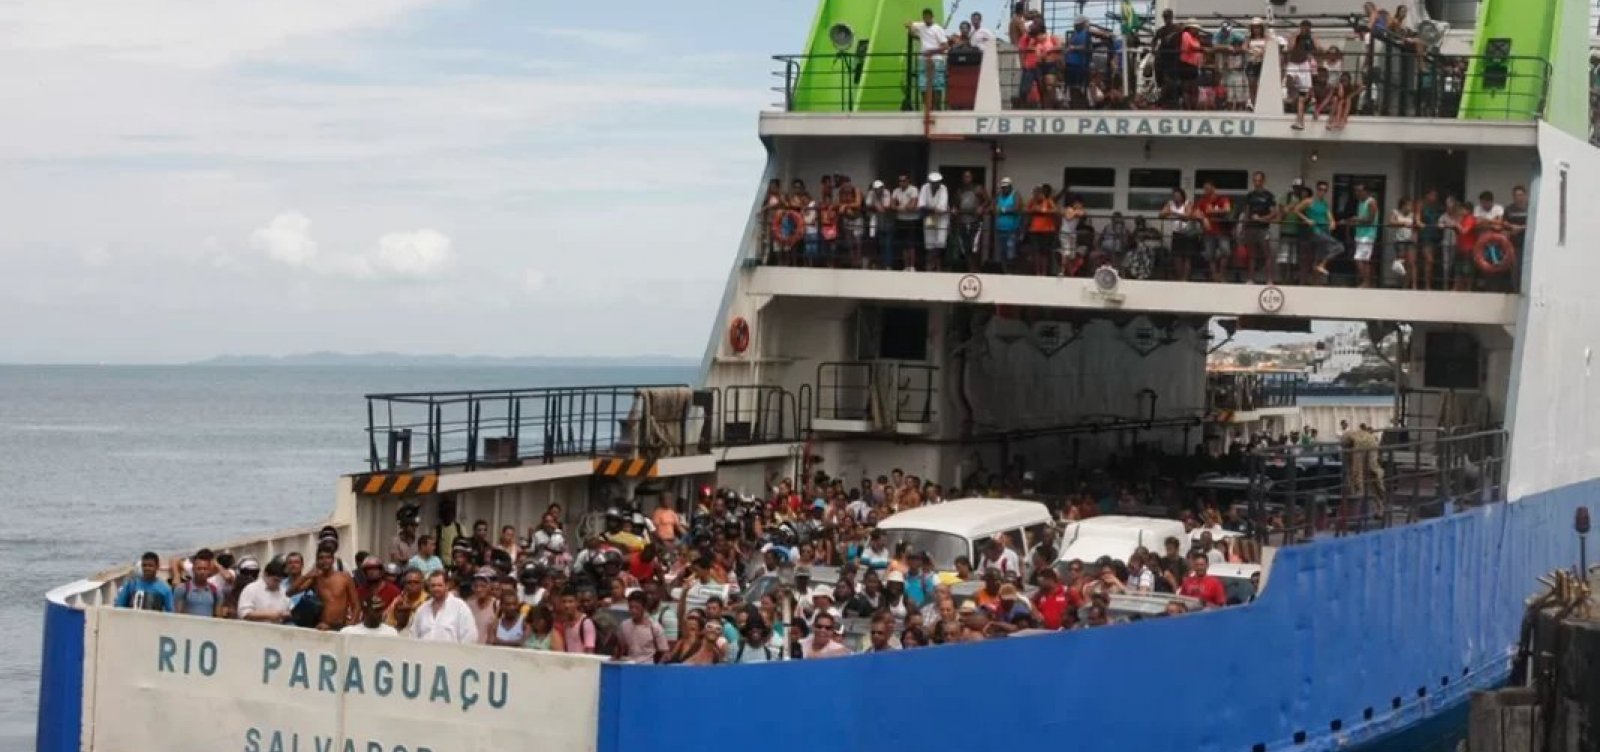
pixel 1117 536
pixel 956 528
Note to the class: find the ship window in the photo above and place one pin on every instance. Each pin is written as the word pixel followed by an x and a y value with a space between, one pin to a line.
pixel 1231 183
pixel 1150 189
pixel 1095 185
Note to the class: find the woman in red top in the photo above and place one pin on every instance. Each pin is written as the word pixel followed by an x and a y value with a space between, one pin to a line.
pixel 1191 55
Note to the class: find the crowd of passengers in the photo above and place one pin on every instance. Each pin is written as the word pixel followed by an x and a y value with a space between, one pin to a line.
pixel 1431 243
pixel 1187 66
pixel 669 585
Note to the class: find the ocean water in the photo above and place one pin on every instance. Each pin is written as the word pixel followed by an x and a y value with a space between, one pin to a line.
pixel 100 463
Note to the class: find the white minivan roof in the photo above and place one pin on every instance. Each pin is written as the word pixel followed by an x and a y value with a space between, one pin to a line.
pixel 970 518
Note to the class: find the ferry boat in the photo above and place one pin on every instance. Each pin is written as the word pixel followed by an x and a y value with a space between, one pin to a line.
pixel 1363 632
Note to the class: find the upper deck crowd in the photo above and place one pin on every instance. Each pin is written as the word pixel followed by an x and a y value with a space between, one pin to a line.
pixel 1303 235
pixel 1135 63
pixel 728 580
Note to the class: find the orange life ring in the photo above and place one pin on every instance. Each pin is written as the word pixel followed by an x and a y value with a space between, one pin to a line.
pixel 739 335
pixel 788 226
pixel 1494 253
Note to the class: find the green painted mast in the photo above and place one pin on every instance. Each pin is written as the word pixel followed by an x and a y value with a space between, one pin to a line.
pixel 1531 32
pixel 824 82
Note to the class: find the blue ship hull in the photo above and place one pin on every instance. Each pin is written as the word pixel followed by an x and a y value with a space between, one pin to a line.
pixel 1372 641
pixel 1354 641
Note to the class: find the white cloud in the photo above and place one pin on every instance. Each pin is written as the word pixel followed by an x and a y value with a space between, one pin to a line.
pixel 420 254
pixel 287 240
pixel 189 33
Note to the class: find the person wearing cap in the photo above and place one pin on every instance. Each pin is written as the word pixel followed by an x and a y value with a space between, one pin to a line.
pixel 849 205
pixel 371 620
pixel 878 205
pixel 444 617
pixel 1255 50
pixel 822 604
pixel 247 571
pixel 483 604
pixel 376 584
pixel 975 623
pixel 1010 612
pixel 403 545
pixel 267 599
pixel 894 598
pixel 1191 56
pixel 1007 211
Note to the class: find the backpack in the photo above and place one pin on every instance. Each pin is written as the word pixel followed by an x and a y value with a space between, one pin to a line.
pixel 308 611
pixel 181 595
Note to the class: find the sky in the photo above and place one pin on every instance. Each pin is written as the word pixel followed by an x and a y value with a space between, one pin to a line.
pixel 187 178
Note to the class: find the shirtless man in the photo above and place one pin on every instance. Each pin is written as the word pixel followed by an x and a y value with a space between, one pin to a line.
pixel 341 604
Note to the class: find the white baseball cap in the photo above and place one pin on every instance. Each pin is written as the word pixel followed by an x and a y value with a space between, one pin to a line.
pixel 1005 181
pixel 877 184
pixel 935 177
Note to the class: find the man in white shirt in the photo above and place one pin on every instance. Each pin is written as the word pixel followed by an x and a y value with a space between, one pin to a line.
pixel 934 41
pixel 444 618
pixel 1001 557
pixel 904 197
pixel 934 201
pixel 371 621
pixel 265 599
pixel 982 38
pixel 1490 215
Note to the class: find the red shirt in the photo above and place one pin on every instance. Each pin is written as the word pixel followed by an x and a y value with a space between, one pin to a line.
pixel 640 569
pixel 1056 609
pixel 1206 206
pixel 387 592
pixel 1205 587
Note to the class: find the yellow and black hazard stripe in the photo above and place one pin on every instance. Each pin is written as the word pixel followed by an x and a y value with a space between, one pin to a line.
pixel 619 467
pixel 397 484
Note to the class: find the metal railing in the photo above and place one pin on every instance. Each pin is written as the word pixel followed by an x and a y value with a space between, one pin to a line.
pixel 1247 391
pixel 506 426
pixel 1149 247
pixel 848 82
pixel 515 426
pixel 1297 493
pixel 884 393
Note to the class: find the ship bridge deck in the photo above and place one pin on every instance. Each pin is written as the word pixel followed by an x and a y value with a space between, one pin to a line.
pixel 1115 77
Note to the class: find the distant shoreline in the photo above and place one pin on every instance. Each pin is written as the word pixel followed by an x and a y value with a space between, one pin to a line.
pixel 390 360
pixel 269 362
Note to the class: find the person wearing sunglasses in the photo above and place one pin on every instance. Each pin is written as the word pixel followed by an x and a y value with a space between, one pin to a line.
pixel 824 641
